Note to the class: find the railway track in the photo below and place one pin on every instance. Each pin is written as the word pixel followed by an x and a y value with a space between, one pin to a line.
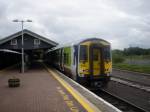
pixel 118 102
pixel 131 83
pixel 133 72
pixel 135 77
pixel 136 82
pixel 122 102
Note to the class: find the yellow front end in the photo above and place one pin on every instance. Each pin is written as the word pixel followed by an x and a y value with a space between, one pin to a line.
pixel 84 65
pixel 94 64
pixel 92 59
pixel 108 67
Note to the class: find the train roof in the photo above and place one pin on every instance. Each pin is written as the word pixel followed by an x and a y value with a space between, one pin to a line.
pixel 76 43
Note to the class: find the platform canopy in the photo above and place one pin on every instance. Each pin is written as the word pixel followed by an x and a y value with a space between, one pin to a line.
pixel 9 51
pixel 31 41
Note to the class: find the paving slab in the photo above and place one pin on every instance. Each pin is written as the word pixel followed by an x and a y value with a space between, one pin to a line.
pixel 39 92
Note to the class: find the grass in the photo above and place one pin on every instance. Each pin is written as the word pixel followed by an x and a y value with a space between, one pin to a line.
pixel 136 57
pixel 136 68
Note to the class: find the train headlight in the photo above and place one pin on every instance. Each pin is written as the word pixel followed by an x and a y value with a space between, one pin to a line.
pixel 81 75
pixel 108 74
pixel 84 70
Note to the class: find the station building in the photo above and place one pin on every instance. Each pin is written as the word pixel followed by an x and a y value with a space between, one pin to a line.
pixel 34 47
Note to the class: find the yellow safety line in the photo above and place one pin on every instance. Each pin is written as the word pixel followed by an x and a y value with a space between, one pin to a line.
pixel 81 99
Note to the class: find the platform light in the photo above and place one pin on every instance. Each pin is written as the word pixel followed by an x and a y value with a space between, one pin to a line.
pixel 29 20
pixel 22 24
pixel 16 20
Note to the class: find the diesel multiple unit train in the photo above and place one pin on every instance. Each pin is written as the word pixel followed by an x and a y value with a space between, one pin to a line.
pixel 86 61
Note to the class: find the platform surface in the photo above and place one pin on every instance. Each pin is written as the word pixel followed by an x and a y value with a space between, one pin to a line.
pixel 39 92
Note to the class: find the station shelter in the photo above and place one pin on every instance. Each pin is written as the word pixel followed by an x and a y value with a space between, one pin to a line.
pixel 34 47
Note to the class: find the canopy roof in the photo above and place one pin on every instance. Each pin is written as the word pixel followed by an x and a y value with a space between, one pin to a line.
pixel 25 31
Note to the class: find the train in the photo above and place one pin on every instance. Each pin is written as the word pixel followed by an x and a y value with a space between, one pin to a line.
pixel 87 61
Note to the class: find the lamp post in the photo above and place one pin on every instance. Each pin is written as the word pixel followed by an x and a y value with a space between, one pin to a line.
pixel 22 41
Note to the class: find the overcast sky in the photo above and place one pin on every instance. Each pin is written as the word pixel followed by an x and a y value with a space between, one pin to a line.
pixel 124 23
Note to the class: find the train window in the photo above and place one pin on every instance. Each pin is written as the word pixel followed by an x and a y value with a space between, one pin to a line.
pixel 74 58
pixel 66 58
pixel 83 52
pixel 107 53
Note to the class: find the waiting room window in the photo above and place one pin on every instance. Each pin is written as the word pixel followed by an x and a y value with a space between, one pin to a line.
pixel 13 42
pixel 36 42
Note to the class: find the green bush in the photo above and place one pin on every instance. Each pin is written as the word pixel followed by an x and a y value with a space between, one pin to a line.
pixel 118 59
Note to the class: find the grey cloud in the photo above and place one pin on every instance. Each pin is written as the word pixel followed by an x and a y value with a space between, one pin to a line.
pixel 120 22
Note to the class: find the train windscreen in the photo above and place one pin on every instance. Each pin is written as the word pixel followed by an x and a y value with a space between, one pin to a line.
pixel 83 52
pixel 107 55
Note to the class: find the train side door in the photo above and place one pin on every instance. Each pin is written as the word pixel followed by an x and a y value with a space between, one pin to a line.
pixel 96 61
pixel 62 61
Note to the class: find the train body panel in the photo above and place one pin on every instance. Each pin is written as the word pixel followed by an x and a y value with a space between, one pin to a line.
pixel 67 60
pixel 88 61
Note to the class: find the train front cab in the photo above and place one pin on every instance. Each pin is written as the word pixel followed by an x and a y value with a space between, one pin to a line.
pixel 94 62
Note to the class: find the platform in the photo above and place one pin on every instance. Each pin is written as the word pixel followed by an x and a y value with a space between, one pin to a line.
pixel 42 90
